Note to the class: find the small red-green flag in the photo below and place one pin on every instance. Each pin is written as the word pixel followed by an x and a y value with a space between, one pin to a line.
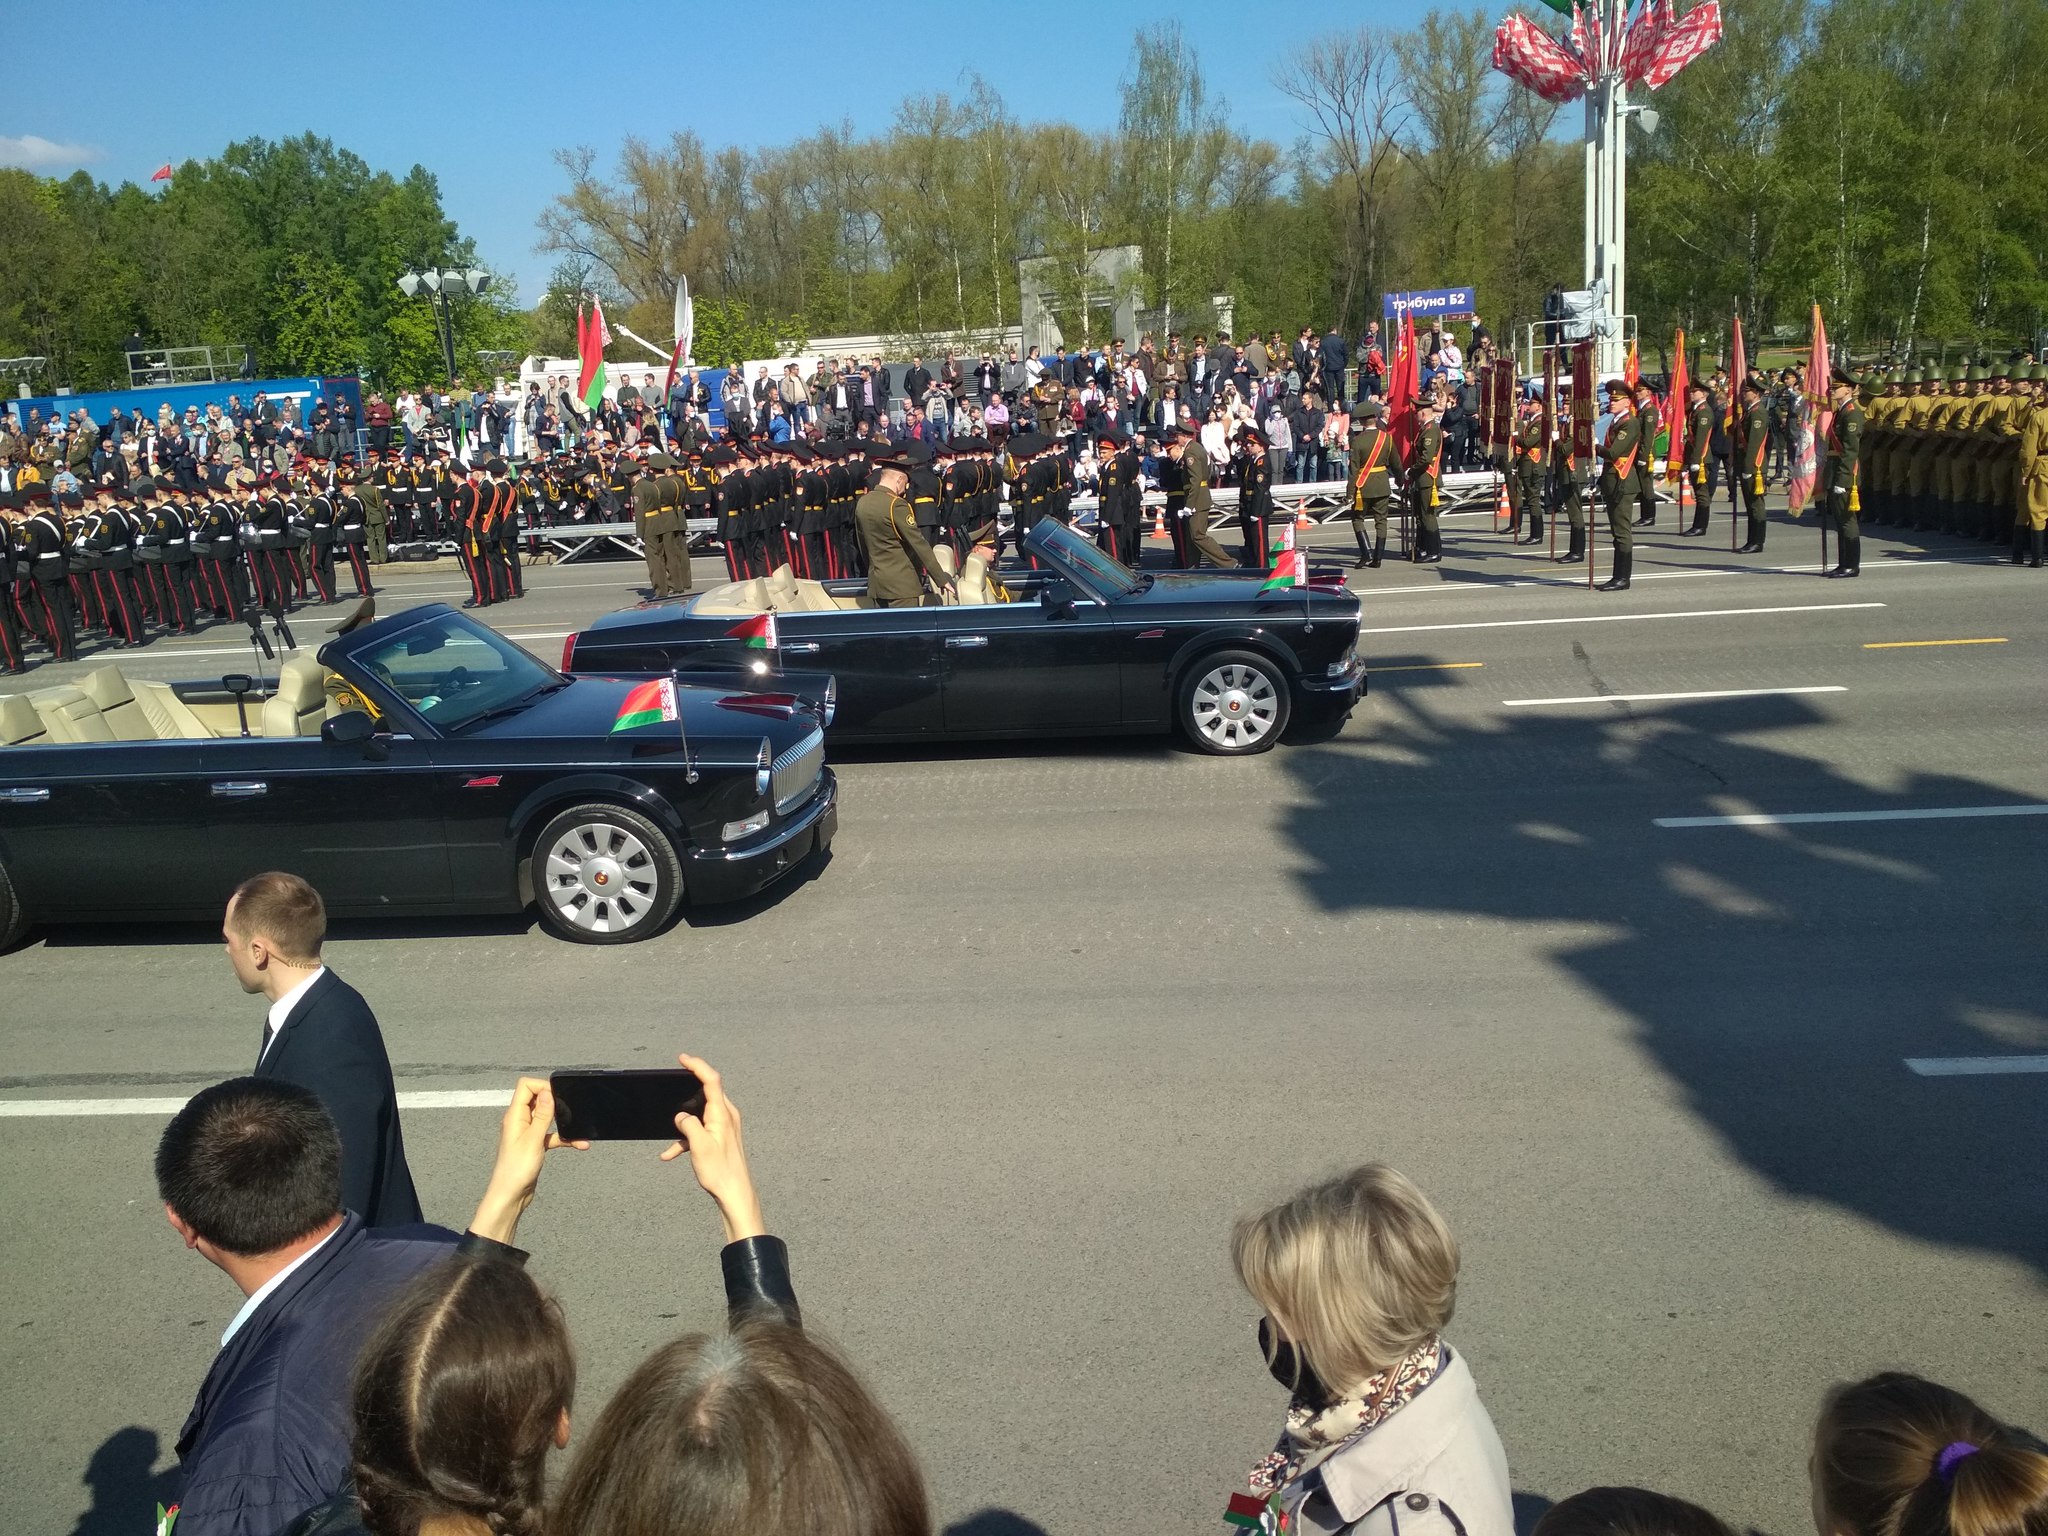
pixel 592 337
pixel 758 632
pixel 1289 570
pixel 648 704
pixel 1246 1511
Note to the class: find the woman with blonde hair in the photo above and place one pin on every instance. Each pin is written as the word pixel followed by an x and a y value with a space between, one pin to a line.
pixel 1897 1455
pixel 1385 1433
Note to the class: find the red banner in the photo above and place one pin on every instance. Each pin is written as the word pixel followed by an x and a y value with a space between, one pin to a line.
pixel 1583 403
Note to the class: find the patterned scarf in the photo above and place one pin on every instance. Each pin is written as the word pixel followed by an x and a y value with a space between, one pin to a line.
pixel 1314 1435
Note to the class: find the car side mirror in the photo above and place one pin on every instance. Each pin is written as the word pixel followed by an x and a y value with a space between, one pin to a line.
pixel 1057 599
pixel 350 728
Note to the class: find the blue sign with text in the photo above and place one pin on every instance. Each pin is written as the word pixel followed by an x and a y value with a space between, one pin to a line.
pixel 1430 304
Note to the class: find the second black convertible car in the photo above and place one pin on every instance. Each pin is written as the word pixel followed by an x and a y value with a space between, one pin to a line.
pixel 422 764
pixel 1082 645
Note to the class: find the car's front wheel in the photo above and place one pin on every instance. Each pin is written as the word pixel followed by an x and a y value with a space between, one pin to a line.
pixel 605 875
pixel 1234 703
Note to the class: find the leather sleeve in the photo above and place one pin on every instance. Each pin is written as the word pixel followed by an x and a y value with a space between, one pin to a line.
pixel 756 1273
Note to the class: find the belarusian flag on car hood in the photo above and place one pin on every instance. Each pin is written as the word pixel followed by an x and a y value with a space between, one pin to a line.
pixel 649 703
pixel 1289 570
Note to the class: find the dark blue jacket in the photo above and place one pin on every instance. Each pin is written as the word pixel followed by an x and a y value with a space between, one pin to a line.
pixel 268 1435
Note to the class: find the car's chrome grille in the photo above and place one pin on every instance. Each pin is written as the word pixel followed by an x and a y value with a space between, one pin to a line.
pixel 796 771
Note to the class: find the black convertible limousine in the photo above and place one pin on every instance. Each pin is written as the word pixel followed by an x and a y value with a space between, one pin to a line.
pixel 422 764
pixel 1081 645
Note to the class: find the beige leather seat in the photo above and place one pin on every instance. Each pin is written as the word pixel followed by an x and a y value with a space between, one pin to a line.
pixel 300 703
pixel 69 716
pixel 168 715
pixel 791 595
pixel 949 562
pixel 108 688
pixel 20 725
pixel 782 595
pixel 973 582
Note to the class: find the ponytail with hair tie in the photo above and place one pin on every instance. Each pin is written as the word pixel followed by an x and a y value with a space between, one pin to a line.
pixel 1952 1454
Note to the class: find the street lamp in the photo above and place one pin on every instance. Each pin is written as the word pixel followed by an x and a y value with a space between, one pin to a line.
pixel 441 285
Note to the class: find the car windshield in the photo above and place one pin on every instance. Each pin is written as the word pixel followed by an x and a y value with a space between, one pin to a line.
pixel 1081 560
pixel 455 672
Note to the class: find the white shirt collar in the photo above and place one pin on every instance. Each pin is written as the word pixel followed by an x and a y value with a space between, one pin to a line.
pixel 262 1292
pixel 282 1008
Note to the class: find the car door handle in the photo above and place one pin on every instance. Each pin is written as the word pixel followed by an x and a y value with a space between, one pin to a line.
pixel 802 647
pixel 24 796
pixel 239 789
pixel 966 642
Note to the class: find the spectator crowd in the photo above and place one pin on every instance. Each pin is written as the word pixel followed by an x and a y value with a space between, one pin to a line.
pixel 399 1379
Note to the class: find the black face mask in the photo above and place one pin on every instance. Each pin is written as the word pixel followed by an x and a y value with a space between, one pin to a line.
pixel 1291 1370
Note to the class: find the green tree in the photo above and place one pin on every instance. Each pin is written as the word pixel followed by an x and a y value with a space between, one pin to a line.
pixel 317 312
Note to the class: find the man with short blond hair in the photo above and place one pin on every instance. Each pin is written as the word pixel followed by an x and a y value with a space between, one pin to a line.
pixel 321 1035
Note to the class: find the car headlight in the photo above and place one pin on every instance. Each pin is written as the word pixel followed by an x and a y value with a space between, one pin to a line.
pixel 735 830
pixel 764 767
pixel 1344 663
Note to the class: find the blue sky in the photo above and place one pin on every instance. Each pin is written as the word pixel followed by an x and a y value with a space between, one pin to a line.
pixel 483 94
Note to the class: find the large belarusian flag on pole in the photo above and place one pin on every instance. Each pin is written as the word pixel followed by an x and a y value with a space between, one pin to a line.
pixel 592 337
pixel 649 704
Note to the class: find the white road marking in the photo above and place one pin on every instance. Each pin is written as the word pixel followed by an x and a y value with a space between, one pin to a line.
pixel 58 1109
pixel 1637 698
pixel 1802 818
pixel 1566 582
pixel 1975 1066
pixel 1619 618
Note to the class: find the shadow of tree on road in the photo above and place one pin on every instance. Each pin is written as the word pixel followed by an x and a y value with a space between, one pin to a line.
pixel 1779 975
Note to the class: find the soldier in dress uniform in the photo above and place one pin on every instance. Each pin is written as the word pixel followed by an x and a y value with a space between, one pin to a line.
pixel 1840 501
pixel 1254 497
pixel 1371 480
pixel 1419 477
pixel 1566 484
pixel 658 512
pixel 13 652
pixel 44 539
pixel 1649 421
pixel 926 492
pixel 1528 457
pixel 468 547
pixel 2031 510
pixel 896 550
pixel 1620 452
pixel 1699 432
pixel 371 487
pixel 1752 441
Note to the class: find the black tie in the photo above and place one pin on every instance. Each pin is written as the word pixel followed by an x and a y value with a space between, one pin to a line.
pixel 264 1049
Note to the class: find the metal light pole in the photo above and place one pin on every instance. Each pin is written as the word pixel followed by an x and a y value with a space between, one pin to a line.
pixel 441 284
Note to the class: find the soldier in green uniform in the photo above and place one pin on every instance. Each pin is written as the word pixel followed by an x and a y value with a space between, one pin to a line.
pixel 1649 420
pixel 1752 443
pixel 896 551
pixel 1921 448
pixel 1621 452
pixel 1840 501
pixel 1529 454
pixel 370 486
pixel 1195 476
pixel 657 515
pixel 1699 432
pixel 1568 476
pixel 1419 481
pixel 1371 483
pixel 2031 514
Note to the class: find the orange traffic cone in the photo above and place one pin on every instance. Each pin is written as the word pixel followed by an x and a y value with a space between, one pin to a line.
pixel 1158 522
pixel 1502 512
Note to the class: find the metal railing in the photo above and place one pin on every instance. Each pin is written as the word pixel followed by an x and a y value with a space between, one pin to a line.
pixel 188 365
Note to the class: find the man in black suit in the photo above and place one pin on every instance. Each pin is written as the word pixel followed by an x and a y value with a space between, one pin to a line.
pixel 321 1035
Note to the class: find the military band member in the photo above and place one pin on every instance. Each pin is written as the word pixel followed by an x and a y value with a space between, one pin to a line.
pixel 44 539
pixel 13 654
pixel 1372 484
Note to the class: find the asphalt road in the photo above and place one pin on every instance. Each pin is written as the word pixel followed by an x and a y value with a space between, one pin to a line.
pixel 1052 1016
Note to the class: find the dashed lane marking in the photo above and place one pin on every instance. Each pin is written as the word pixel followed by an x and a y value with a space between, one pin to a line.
pixel 1907 645
pixel 1974 1066
pixel 1622 618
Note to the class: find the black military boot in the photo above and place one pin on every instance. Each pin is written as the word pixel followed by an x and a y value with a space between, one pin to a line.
pixel 1576 553
pixel 1756 535
pixel 1849 559
pixel 2019 542
pixel 1535 529
pixel 1618 582
pixel 1364 554
pixel 2034 541
pixel 1379 548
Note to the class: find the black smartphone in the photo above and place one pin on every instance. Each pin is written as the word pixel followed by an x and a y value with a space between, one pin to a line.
pixel 624 1105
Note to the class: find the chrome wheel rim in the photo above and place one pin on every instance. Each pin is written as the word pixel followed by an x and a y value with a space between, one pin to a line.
pixel 600 878
pixel 1235 705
